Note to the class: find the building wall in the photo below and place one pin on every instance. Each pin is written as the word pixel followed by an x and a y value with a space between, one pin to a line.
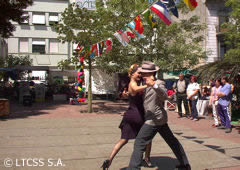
pixel 45 32
pixel 215 11
pixel 210 12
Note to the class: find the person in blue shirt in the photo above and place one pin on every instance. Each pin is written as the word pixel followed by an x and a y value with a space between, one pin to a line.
pixel 223 103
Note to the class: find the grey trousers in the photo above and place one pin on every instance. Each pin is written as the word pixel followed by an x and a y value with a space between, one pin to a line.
pixel 145 135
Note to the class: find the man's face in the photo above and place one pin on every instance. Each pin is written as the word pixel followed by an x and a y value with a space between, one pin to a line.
pixel 223 81
pixel 181 77
pixel 147 75
pixel 148 78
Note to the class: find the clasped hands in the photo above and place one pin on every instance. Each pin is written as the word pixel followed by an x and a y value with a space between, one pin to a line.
pixel 149 81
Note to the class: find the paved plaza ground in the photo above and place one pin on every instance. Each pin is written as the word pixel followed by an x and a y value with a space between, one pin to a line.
pixel 52 135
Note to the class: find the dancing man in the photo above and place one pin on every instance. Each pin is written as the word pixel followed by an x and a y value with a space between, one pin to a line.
pixel 155 120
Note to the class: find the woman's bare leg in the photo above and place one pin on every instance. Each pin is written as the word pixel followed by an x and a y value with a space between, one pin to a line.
pixel 117 148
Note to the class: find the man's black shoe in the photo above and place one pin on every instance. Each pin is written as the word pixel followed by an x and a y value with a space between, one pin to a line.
pixel 228 130
pixel 184 167
pixel 221 127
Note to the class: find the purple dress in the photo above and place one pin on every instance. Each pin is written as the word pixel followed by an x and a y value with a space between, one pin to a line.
pixel 133 118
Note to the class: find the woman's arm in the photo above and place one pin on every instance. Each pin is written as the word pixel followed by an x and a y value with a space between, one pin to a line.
pixel 194 93
pixel 211 97
pixel 134 88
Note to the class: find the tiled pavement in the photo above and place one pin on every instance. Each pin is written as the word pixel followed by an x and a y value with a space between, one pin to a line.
pixel 81 141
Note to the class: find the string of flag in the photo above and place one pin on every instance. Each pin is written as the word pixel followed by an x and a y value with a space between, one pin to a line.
pixel 161 8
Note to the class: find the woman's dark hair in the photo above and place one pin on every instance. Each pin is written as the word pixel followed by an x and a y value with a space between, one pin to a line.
pixel 225 78
pixel 194 78
pixel 132 69
pixel 219 81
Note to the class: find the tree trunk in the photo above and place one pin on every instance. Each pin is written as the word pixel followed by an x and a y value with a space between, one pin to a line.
pixel 90 86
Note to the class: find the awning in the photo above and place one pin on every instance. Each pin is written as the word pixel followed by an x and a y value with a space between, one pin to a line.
pixel 38 42
pixel 30 68
pixel 185 72
pixel 53 18
pixel 7 69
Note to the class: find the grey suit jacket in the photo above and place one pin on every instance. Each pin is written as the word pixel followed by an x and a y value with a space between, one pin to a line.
pixel 154 98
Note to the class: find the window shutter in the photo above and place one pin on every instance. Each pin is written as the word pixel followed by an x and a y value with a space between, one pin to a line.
pixel 23 45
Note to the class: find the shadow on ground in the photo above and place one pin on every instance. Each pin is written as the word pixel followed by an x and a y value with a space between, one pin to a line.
pixel 18 111
pixel 161 163
pixel 107 107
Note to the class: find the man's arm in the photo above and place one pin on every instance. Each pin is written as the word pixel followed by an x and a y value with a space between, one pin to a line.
pixel 175 86
pixel 159 87
pixel 226 92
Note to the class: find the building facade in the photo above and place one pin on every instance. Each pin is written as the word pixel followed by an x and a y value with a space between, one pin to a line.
pixel 212 13
pixel 217 14
pixel 36 37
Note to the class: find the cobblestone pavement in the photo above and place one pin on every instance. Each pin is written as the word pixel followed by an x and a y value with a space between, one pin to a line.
pixel 62 136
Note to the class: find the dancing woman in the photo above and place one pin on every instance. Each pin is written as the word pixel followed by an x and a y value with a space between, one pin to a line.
pixel 133 118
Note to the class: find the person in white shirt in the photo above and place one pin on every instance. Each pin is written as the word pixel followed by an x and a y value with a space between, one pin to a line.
pixel 192 96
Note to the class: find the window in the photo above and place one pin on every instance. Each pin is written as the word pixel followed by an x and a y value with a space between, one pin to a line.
pixel 53 18
pixel 38 46
pixel 222 19
pixel 26 16
pixel 222 47
pixel 39 18
pixel 23 45
pixel 53 46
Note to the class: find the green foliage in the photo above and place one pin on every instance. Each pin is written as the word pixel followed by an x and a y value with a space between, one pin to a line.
pixel 173 47
pixel 232 35
pixel 11 11
pixel 11 61
pixel 231 62
pixel 64 64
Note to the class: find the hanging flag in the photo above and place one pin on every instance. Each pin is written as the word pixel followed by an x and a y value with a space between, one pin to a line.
pixel 160 9
pixel 80 49
pixel 171 6
pixel 123 33
pixel 132 25
pixel 109 45
pixel 101 47
pixel 129 32
pixel 120 39
pixel 93 48
pixel 98 49
pixel 139 25
pixel 192 4
pixel 92 52
pixel 149 18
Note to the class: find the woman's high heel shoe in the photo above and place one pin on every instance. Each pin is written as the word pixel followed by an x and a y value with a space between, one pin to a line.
pixel 148 163
pixel 105 165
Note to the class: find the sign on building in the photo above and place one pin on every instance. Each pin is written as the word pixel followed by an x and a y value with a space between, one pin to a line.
pixel 89 4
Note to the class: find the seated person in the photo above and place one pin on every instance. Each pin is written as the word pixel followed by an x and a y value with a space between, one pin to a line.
pixel 202 104
pixel 172 99
pixel 171 94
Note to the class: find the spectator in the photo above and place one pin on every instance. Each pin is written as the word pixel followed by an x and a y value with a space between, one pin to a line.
pixel 180 88
pixel 203 102
pixel 214 101
pixel 230 104
pixel 223 104
pixel 192 95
